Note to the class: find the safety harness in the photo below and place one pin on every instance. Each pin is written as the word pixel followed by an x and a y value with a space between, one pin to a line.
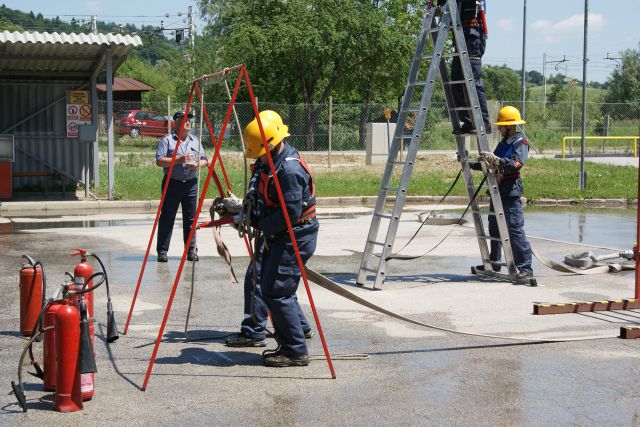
pixel 309 206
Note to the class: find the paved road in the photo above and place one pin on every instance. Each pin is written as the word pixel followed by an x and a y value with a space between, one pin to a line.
pixel 410 376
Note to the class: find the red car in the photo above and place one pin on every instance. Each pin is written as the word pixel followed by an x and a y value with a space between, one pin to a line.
pixel 140 122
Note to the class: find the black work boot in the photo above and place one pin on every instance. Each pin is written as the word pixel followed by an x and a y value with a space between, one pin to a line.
pixel 162 257
pixel 279 360
pixel 309 334
pixel 242 340
pixel 524 275
pixel 193 256
pixel 494 266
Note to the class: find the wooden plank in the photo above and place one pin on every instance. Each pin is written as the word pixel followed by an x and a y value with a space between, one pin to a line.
pixel 629 332
pixel 578 307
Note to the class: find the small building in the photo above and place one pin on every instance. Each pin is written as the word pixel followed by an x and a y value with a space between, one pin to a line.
pixel 48 100
pixel 127 95
pixel 125 90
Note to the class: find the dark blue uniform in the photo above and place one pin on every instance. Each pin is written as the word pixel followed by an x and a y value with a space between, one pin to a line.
pixel 278 274
pixel 513 153
pixel 182 190
pixel 476 43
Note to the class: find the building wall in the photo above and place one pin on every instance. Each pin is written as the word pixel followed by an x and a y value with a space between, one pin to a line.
pixel 41 144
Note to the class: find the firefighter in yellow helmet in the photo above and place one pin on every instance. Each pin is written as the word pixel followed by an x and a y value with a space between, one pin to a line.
pixel 508 159
pixel 277 270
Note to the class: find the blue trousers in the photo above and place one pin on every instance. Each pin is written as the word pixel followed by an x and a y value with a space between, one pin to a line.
pixel 475 47
pixel 514 216
pixel 279 278
pixel 255 310
pixel 178 193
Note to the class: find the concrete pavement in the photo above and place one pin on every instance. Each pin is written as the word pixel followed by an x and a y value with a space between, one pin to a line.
pixel 411 376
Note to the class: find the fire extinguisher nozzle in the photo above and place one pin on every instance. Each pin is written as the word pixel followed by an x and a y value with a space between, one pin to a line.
pixel 112 328
pixel 39 373
pixel 86 358
pixel 22 400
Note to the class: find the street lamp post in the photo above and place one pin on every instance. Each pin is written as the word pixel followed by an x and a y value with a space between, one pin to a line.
pixel 583 184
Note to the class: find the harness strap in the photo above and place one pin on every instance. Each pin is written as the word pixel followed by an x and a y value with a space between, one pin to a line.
pixel 468 23
pixel 512 176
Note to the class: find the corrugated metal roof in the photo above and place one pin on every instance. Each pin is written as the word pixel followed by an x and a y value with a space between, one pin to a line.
pixel 125 84
pixel 73 38
pixel 60 53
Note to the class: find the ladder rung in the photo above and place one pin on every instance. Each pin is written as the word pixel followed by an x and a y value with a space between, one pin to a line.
pixel 371 242
pixel 392 189
pixel 495 239
pixel 462 109
pixel 368 269
pixel 411 110
pixel 397 162
pixel 481 212
pixel 455 82
pixel 421 83
pixel 381 215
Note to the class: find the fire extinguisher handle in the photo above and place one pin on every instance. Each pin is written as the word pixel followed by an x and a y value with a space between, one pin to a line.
pixel 30 260
pixel 79 252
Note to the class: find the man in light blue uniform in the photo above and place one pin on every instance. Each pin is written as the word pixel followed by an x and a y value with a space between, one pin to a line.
pixel 509 157
pixel 183 184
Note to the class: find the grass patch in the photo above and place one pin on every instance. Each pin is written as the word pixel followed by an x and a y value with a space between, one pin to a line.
pixel 137 178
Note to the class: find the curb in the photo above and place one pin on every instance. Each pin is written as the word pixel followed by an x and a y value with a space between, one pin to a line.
pixel 70 206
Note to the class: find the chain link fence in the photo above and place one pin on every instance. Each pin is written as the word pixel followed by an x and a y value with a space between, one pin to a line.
pixel 342 127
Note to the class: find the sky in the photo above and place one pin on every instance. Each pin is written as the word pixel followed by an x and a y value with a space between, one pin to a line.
pixel 554 27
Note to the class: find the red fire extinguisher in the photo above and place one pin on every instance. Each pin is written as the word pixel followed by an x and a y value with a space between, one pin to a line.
pixel 81 276
pixel 68 397
pixel 31 294
pixel 82 271
pixel 48 347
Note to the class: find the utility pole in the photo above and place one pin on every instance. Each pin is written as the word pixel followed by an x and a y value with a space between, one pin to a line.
pixel 524 48
pixel 544 72
pixel 544 79
pixel 192 35
pixel 583 184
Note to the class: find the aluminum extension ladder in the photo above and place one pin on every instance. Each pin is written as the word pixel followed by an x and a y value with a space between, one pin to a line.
pixel 437 23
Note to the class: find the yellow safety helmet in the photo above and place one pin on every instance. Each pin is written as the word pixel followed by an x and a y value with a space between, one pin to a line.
pixel 274 133
pixel 271 115
pixel 508 116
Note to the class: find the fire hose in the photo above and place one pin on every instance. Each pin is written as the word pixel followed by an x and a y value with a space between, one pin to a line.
pixel 331 286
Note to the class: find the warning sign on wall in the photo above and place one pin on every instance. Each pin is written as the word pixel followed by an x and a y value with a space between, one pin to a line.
pixel 78 111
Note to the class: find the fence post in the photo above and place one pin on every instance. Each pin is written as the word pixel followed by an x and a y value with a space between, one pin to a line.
pixel 168 113
pixel 330 129
pixel 606 129
pixel 572 116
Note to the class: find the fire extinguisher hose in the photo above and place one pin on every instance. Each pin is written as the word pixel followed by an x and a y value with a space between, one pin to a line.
pixel 112 328
pixel 18 389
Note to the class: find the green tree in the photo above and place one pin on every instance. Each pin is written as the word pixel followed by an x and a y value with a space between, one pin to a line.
pixel 157 76
pixel 535 77
pixel 624 84
pixel 502 83
pixel 302 50
pixel 6 25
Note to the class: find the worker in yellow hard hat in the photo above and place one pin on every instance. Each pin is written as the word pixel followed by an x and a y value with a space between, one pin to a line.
pixel 507 160
pixel 272 278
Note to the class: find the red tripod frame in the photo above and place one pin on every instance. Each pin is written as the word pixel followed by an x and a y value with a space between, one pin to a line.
pixel 242 76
